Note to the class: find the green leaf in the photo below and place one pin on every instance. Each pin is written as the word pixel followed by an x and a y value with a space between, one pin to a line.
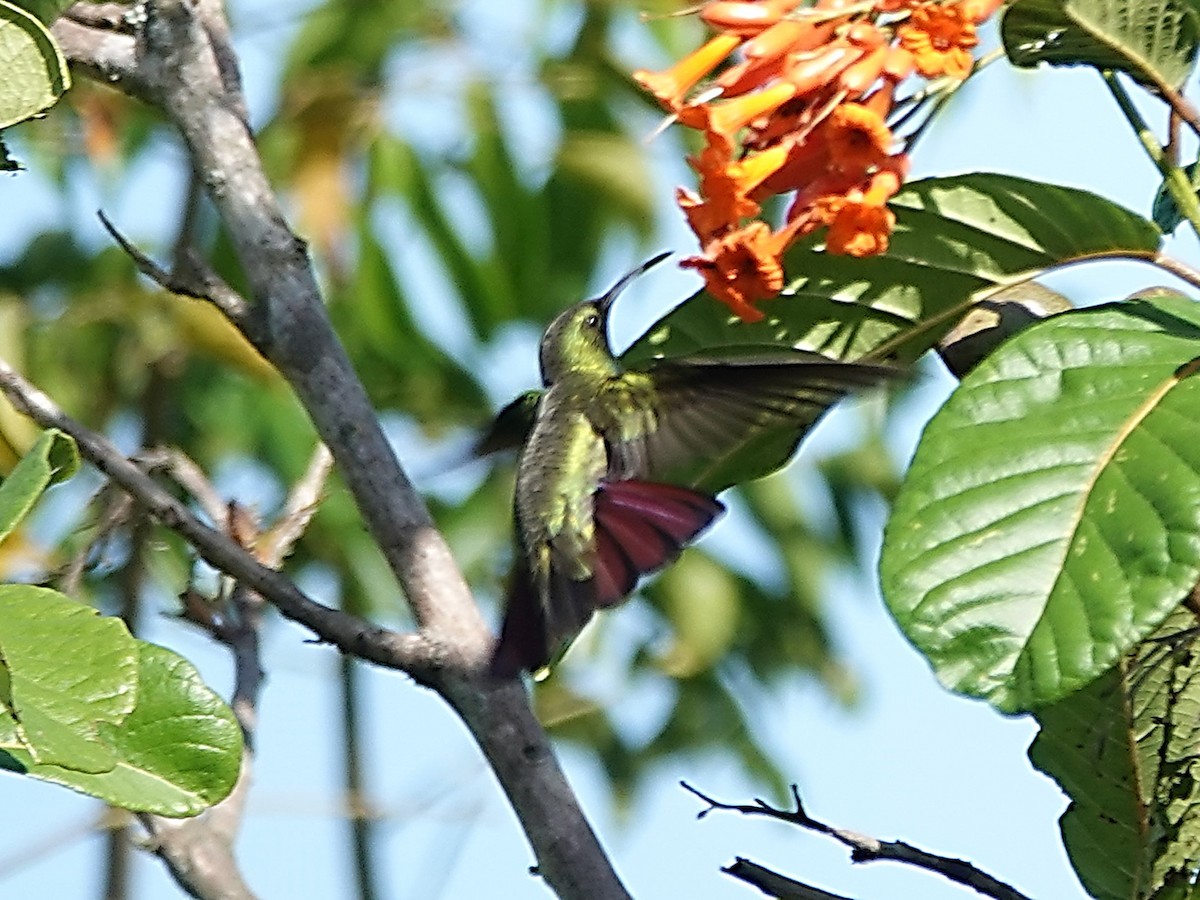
pixel 702 600
pixel 1051 517
pixel 35 70
pixel 70 672
pixel 53 458
pixel 1126 749
pixel 177 753
pixel 1154 41
pixel 954 238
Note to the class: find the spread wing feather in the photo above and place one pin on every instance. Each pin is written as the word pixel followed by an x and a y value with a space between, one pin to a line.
pixel 707 409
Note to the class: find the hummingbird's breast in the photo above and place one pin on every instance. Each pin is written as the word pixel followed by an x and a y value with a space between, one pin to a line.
pixel 560 468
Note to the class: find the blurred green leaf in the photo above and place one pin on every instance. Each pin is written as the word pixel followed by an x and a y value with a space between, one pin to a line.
pixel 52 459
pixel 701 600
pixel 45 10
pixel 1051 517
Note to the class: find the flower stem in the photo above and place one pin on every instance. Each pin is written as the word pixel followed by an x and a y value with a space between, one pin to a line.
pixel 1174 178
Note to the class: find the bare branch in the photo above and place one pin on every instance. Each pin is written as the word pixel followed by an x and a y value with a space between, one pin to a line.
pixel 773 884
pixel 185 472
pixel 198 280
pixel 104 54
pixel 199 851
pixel 289 325
pixel 868 849
pixel 409 653
pixel 102 16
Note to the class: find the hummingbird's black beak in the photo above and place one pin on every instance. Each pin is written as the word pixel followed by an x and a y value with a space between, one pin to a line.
pixel 606 301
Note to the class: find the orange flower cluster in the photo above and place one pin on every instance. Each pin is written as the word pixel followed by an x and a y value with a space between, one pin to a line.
pixel 802 107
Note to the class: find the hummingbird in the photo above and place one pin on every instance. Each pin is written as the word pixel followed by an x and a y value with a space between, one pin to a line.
pixel 603 490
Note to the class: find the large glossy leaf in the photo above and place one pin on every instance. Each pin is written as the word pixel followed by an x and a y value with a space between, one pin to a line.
pixel 1152 40
pixel 1051 517
pixel 1126 749
pixel 52 458
pixel 68 672
pixel 176 754
pixel 955 239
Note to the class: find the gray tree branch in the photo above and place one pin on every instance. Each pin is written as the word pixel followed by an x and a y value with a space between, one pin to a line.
pixel 182 64
pixel 773 884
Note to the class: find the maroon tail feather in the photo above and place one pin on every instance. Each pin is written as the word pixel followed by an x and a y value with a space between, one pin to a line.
pixel 522 645
pixel 640 527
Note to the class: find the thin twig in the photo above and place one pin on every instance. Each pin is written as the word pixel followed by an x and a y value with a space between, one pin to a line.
pixel 773 884
pixel 196 280
pixel 1181 107
pixel 107 55
pixel 868 849
pixel 102 16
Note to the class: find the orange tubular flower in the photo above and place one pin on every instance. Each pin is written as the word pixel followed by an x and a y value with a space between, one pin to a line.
pixel 858 78
pixel 898 65
pixel 858 139
pixel 800 108
pixel 742 267
pixel 979 11
pixel 670 85
pixel 724 189
pixel 860 223
pixel 745 17
pixel 858 228
pixel 805 161
pixel 808 72
pixel 706 219
pixel 726 119
pixel 940 39
pixel 788 36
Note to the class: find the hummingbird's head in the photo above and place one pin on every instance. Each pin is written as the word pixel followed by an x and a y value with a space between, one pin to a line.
pixel 577 340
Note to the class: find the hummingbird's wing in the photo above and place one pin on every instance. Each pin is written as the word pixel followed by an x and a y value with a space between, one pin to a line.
pixel 707 411
pixel 642 526
pixel 511 427
pixel 639 527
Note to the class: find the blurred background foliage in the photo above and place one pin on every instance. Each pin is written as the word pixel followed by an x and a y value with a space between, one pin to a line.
pixel 508 146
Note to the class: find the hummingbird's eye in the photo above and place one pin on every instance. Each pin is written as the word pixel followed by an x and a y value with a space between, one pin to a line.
pixel 592 321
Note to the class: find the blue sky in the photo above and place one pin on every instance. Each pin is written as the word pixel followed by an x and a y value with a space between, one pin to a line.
pixel 909 762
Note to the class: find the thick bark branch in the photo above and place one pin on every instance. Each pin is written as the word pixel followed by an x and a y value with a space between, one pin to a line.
pixel 182 55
